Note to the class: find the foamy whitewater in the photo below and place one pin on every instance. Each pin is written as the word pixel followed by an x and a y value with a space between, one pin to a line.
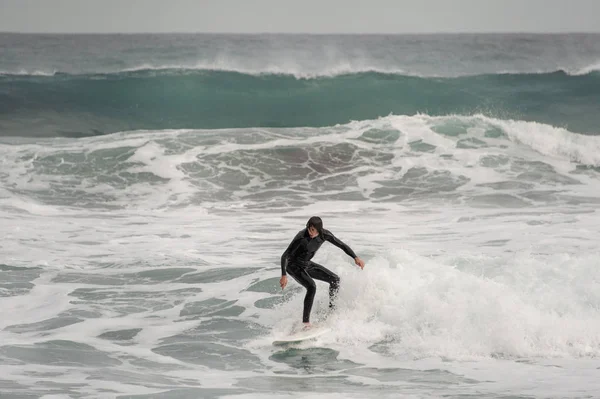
pixel 144 262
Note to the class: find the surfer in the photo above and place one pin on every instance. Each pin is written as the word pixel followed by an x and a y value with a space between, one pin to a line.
pixel 296 260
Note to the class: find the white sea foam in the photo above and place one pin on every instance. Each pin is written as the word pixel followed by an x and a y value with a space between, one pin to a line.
pixel 459 281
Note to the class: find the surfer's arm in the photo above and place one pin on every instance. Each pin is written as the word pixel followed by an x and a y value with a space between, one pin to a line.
pixel 328 235
pixel 285 258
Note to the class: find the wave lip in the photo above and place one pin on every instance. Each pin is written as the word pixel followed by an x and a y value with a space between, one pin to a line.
pixel 593 68
pixel 550 140
pixel 25 72
pixel 275 70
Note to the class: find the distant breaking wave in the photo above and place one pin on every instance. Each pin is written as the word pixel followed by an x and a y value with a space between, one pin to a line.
pixel 343 68
pixel 93 104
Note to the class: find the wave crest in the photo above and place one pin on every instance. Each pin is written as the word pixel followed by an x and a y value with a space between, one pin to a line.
pixel 296 71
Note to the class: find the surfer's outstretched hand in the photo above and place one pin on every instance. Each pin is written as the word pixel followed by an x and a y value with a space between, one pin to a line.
pixel 283 281
pixel 359 262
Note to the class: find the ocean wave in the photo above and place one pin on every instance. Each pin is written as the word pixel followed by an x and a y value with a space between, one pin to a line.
pixel 395 159
pixel 88 105
pixel 545 139
pixel 340 69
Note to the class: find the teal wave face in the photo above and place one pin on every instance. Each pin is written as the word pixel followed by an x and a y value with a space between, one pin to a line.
pixel 85 105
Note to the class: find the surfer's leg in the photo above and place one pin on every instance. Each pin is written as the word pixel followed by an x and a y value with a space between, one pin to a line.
pixel 304 279
pixel 321 273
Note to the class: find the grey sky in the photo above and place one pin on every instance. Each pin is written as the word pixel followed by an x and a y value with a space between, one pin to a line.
pixel 308 16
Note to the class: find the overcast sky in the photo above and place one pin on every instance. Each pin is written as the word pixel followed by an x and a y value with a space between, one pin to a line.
pixel 306 16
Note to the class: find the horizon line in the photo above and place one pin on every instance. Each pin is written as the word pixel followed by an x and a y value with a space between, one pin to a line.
pixel 305 33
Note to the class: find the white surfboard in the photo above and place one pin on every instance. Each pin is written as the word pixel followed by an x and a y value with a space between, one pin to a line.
pixel 302 336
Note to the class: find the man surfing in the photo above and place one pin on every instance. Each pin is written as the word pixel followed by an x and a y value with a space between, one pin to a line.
pixel 296 260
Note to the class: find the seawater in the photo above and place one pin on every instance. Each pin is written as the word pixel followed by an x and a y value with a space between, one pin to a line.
pixel 150 183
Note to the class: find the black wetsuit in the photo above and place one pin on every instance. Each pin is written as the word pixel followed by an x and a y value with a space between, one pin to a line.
pixel 297 261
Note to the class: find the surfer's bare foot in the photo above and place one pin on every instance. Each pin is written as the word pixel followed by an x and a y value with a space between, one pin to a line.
pixel 306 326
